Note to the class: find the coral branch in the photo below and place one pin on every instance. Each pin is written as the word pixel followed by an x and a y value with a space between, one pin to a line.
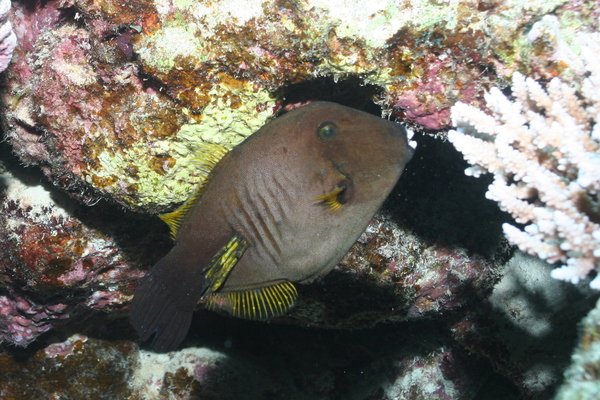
pixel 544 152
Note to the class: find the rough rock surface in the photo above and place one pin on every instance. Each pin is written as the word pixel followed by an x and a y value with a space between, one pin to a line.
pixel 232 360
pixel 58 258
pixel 108 99
pixel 55 259
pixel 582 377
pixel 527 326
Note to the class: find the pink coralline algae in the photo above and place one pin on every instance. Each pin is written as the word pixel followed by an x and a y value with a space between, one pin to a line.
pixel 108 98
pixel 50 262
pixel 8 39
pixel 21 322
pixel 66 348
pixel 440 73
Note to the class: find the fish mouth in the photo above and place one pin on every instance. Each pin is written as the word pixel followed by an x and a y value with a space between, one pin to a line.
pixel 338 169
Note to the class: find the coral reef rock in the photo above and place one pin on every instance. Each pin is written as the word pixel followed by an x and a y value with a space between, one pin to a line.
pixel 78 368
pixel 51 261
pixel 8 39
pixel 250 361
pixel 528 325
pixel 105 103
pixel 110 98
pixel 581 378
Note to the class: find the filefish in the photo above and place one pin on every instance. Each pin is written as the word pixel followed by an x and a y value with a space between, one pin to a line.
pixel 280 209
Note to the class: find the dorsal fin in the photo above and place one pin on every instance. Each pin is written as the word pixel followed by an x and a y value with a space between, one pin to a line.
pixel 270 300
pixel 209 154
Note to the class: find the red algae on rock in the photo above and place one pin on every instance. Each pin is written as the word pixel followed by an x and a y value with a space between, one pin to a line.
pixel 79 368
pixel 50 262
pixel 110 98
pixel 391 275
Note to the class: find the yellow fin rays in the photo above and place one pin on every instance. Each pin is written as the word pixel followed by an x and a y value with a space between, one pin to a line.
pixel 223 262
pixel 331 199
pixel 257 303
pixel 209 154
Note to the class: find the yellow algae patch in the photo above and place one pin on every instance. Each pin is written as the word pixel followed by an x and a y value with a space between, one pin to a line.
pixel 232 115
pixel 155 174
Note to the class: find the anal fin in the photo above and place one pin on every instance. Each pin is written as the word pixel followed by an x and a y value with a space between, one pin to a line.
pixel 270 300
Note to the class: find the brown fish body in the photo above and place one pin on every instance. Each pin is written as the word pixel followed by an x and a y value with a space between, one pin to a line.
pixel 297 198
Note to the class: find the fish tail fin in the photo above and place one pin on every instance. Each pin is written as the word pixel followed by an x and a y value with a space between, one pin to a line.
pixel 161 310
pixel 165 299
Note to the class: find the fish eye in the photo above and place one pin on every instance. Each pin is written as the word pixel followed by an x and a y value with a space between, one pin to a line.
pixel 327 131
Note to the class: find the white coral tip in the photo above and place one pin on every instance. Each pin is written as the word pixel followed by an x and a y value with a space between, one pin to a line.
pixel 595 283
pixel 565 273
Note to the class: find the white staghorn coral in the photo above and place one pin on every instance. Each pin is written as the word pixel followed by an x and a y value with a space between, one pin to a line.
pixel 544 152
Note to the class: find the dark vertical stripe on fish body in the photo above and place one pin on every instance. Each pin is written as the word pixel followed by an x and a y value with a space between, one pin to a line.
pixel 281 208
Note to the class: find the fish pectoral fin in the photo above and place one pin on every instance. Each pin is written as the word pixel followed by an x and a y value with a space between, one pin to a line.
pixel 269 300
pixel 207 156
pixel 222 263
pixel 335 199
